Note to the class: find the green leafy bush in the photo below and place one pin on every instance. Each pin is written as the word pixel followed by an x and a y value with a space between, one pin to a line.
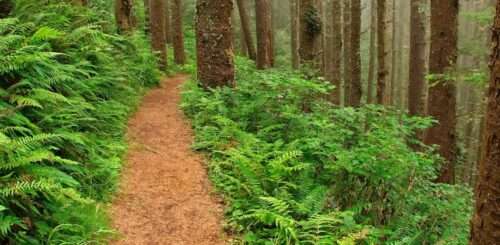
pixel 296 169
pixel 67 86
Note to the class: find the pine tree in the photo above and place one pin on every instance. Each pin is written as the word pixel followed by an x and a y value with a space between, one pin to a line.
pixel 124 15
pixel 356 91
pixel 381 53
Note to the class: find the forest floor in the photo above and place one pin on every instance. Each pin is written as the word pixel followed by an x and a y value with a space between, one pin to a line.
pixel 165 195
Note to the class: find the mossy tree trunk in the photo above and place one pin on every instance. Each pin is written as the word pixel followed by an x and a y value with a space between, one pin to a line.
pixel 124 15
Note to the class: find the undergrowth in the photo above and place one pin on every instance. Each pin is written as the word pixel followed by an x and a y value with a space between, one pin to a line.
pixel 67 86
pixel 295 169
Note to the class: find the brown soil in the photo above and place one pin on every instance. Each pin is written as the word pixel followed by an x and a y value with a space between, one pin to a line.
pixel 165 196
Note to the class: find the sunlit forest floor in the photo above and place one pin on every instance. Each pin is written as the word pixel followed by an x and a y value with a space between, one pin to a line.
pixel 165 193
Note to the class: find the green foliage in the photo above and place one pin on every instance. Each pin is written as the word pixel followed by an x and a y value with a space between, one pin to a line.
pixel 67 85
pixel 296 169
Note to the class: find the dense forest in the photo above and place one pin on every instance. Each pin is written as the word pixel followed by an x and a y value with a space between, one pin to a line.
pixel 250 122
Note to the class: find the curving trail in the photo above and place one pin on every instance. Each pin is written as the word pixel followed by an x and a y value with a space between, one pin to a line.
pixel 165 196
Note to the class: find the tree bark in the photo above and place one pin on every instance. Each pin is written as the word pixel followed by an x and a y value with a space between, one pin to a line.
pixel 485 223
pixel 372 63
pixel 124 15
pixel 157 23
pixel 264 36
pixel 442 94
pixel 168 22
pixel 381 53
pixel 310 27
pixel 356 90
pixel 294 15
pixel 178 33
pixel 347 50
pixel 245 29
pixel 337 49
pixel 214 47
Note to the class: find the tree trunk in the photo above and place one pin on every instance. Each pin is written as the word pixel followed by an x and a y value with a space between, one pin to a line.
pixel 394 64
pixel 80 2
pixel 294 16
pixel 417 58
pixel 347 50
pixel 310 27
pixel 147 15
pixel 214 47
pixel 371 66
pixel 337 49
pixel 442 95
pixel 245 29
pixel 381 53
pixel 485 223
pixel 6 7
pixel 356 91
pixel 157 23
pixel 124 15
pixel 168 22
pixel 178 33
pixel 264 35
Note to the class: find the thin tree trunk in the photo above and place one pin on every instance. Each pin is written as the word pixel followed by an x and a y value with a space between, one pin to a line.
pixel 245 29
pixel 264 35
pixel 347 50
pixel 485 223
pixel 214 47
pixel 168 22
pixel 147 17
pixel 157 23
pixel 337 49
pixel 178 33
pixel 442 95
pixel 381 53
pixel 356 90
pixel 294 15
pixel 373 56
pixel 417 58
pixel 124 15
pixel 394 65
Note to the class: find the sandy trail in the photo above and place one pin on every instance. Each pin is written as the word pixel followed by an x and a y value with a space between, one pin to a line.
pixel 165 196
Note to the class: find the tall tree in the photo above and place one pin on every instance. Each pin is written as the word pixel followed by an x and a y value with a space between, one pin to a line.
pixel 124 15
pixel 356 91
pixel 245 29
pixel 310 28
pixel 371 66
pixel 263 16
pixel 485 223
pixel 337 49
pixel 157 24
pixel 346 18
pixel 442 93
pixel 214 47
pixel 381 53
pixel 294 15
pixel 417 58
pixel 178 33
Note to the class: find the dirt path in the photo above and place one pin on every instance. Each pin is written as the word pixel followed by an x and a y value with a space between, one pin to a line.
pixel 165 195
